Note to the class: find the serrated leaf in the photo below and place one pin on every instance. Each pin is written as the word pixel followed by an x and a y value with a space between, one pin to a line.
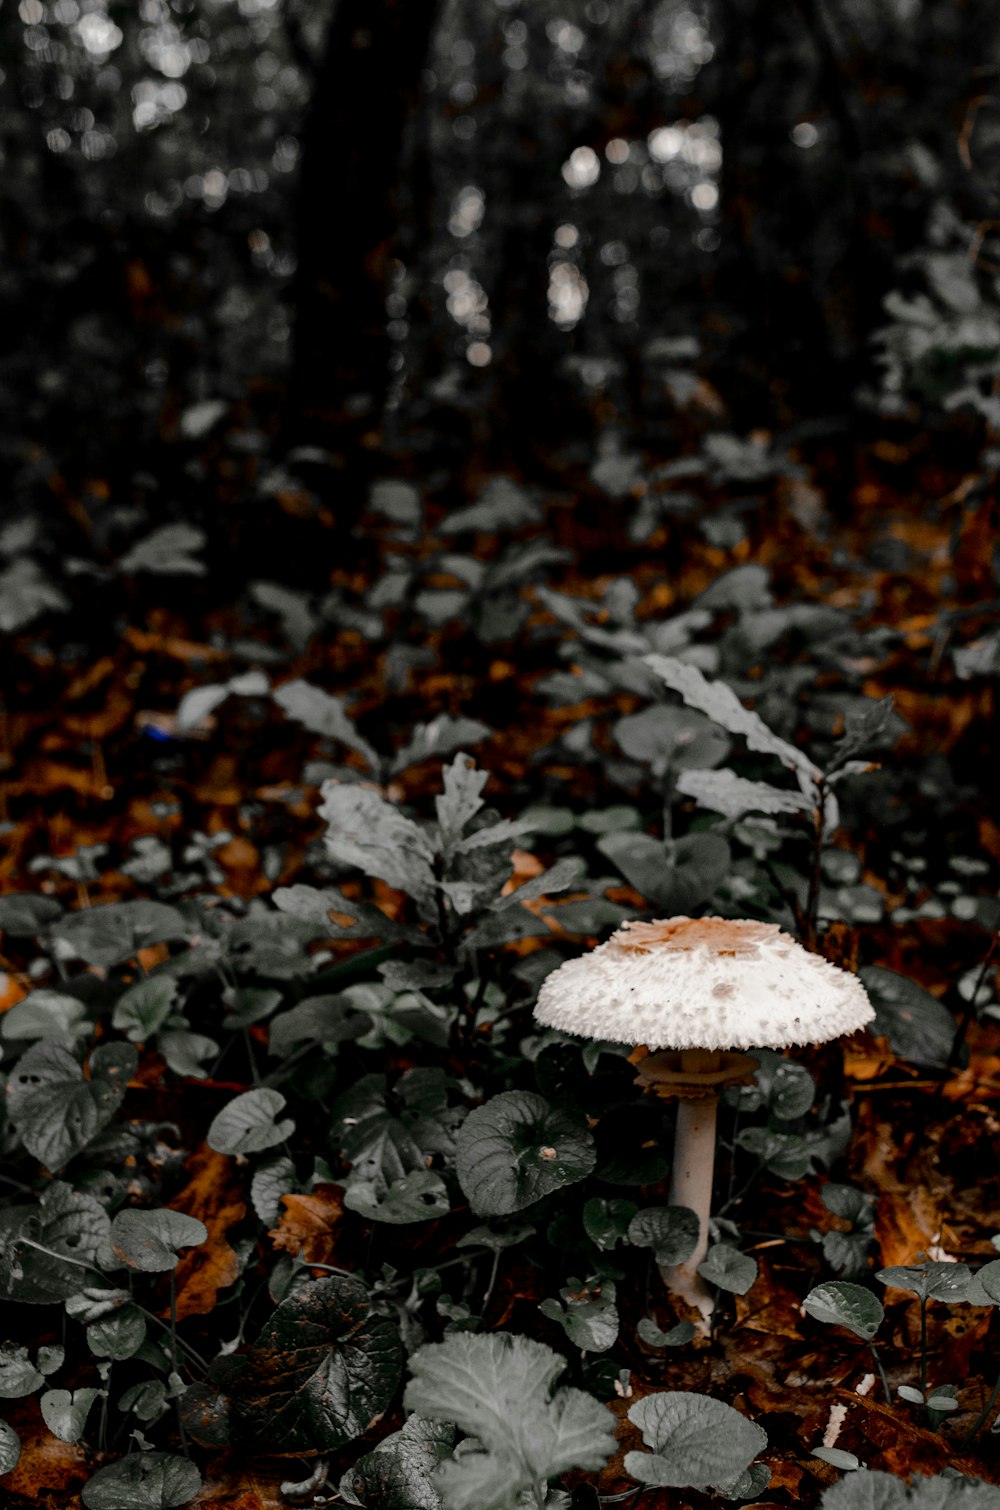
pixel 246 1124
pixel 840 1303
pixel 322 1369
pixel 671 1230
pixel 720 703
pixel 461 799
pixel 66 1414
pixel 366 831
pixel 728 1269
pixel 698 1442
pixel 323 714
pixel 55 1109
pixel 143 1009
pixel 143 1481
pixel 516 1149
pixel 10 1448
pixel 146 1240
pixel 498 1388
pixel 725 792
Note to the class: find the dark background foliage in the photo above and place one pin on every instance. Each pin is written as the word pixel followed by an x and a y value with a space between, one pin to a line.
pixel 529 235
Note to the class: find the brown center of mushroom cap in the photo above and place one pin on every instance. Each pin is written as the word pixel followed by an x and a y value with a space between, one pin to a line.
pixel 721 936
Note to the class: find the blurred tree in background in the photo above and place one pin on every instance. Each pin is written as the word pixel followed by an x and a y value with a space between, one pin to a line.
pixel 529 232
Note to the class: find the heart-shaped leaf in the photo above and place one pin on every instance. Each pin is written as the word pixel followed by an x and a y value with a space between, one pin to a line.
pixel 23 914
pixel 698 1442
pixel 111 934
pixel 728 1269
pixel 145 1007
pixel 671 1230
pixel 247 1124
pixel 322 1369
pixel 55 1108
pixel 146 1240
pixel 45 1014
pixel 516 1149
pixel 66 1414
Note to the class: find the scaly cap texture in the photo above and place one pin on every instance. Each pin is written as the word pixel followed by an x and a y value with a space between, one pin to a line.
pixel 703 983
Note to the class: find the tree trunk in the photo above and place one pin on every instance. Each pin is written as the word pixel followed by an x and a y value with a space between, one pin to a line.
pixel 366 94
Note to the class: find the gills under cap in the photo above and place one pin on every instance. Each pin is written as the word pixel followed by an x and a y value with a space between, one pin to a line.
pixel 703 983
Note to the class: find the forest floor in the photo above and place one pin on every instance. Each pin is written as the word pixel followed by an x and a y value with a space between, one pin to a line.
pixel 110 792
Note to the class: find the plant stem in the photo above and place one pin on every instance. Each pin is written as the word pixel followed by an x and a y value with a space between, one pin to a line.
pixel 881 1373
pixel 974 1428
pixel 174 1360
pixel 923 1347
pixel 493 1279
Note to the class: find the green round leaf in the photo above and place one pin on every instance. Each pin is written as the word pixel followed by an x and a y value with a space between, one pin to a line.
pixel 247 1124
pixel 840 1303
pixel 145 1007
pixel 728 1269
pixel 111 934
pixel 18 1375
pixel 671 1230
pixel 146 1240
pixel 143 1481
pixel 983 1288
pixel 119 1335
pixel 698 1442
pixel 45 1014
pixel 516 1149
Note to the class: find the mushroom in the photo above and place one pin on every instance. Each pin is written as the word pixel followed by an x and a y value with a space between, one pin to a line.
pixel 700 988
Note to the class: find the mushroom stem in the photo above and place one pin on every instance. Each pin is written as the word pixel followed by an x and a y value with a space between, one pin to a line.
pixel 691 1180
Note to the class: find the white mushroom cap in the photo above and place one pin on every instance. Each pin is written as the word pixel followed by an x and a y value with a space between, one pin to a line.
pixel 703 983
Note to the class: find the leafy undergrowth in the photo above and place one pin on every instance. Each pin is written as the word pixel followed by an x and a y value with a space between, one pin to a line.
pixel 299 1204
